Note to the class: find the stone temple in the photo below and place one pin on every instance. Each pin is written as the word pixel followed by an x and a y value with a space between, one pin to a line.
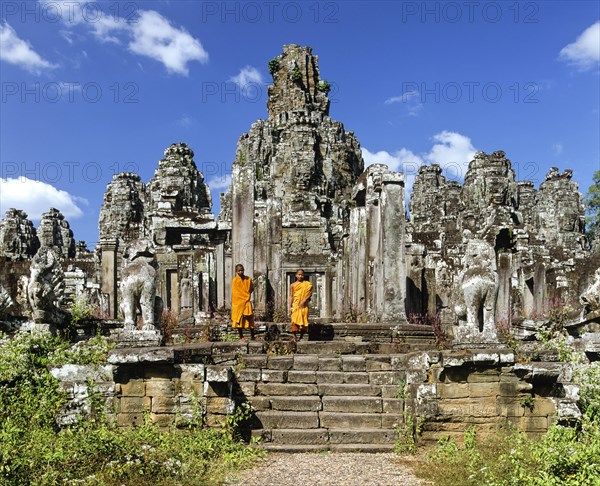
pixel 301 197
pixel 479 257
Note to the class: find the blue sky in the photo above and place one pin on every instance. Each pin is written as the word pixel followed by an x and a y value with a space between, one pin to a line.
pixel 89 89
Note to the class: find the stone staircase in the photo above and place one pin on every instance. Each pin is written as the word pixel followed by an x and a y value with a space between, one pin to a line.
pixel 325 401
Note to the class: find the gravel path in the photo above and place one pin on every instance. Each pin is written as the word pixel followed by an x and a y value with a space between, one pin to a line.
pixel 327 469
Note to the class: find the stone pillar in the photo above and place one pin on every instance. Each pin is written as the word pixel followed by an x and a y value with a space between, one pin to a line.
pixel 109 274
pixel 539 289
pixel 242 226
pixel 392 249
pixel 220 274
pixel 503 304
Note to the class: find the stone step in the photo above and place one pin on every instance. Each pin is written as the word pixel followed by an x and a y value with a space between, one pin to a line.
pixel 323 436
pixel 369 448
pixel 294 448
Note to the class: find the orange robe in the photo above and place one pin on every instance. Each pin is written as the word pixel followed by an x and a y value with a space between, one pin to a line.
pixel 302 290
pixel 241 307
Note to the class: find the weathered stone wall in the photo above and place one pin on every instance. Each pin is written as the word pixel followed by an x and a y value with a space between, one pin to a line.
pixel 328 396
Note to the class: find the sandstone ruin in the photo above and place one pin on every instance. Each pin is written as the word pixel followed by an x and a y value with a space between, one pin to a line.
pixel 479 259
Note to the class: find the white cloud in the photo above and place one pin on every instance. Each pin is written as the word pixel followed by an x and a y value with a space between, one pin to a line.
pixel 411 101
pixel 19 52
pixel 35 198
pixel 155 37
pixel 584 53
pixel 185 121
pixel 557 148
pixel 148 34
pixel 395 162
pixel 246 76
pixel 219 182
pixel 453 152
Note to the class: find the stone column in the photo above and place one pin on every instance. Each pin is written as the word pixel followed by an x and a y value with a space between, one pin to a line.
pixel 242 227
pixel 503 307
pixel 108 247
pixel 392 251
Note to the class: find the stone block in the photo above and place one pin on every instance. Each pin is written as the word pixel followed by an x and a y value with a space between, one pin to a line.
pixel 362 436
pixel 307 362
pixel 509 407
pixel 391 420
pixel 163 388
pixel 260 403
pixel 378 363
pixel 393 405
pixel 252 374
pixel 393 391
pixel 164 405
pixel 134 404
pixel 229 348
pixel 258 361
pixel 354 363
pixel 534 424
pixel 191 372
pixel 133 388
pixel 359 390
pixel 484 389
pixel 299 437
pixel 386 377
pixel 350 420
pixel 356 377
pixel 286 389
pixel 352 404
pixel 128 419
pixel 245 388
pixel 461 408
pixel 162 419
pixel 274 376
pixel 271 419
pixel 302 404
pixel 486 376
pixel 220 405
pixel 543 407
pixel 189 387
pixel 218 374
pixel 280 362
pixel 301 376
pixel 453 390
pixel 330 364
pixel 330 377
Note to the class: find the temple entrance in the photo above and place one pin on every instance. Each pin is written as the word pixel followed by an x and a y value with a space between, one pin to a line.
pixel 315 303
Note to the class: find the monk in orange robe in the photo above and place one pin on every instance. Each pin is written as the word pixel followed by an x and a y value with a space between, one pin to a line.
pixel 242 314
pixel 300 292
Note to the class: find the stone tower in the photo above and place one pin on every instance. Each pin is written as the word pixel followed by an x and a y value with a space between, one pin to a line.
pixel 292 179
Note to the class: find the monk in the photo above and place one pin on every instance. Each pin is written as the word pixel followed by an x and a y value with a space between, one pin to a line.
pixel 242 314
pixel 300 292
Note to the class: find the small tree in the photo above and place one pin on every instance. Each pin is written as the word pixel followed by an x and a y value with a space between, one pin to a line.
pixel 592 208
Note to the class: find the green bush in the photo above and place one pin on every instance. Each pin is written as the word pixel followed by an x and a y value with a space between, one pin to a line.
pixel 33 450
pixel 564 456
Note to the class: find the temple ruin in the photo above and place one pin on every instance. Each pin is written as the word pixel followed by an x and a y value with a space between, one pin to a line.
pixel 480 256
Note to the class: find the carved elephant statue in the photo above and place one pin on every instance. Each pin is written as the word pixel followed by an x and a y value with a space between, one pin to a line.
pixel 138 284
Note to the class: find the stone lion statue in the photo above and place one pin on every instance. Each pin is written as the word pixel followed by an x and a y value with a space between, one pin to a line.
pixel 45 287
pixel 138 284
pixel 478 289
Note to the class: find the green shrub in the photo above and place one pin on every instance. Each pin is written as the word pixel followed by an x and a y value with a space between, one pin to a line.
pixel 563 456
pixel 33 450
